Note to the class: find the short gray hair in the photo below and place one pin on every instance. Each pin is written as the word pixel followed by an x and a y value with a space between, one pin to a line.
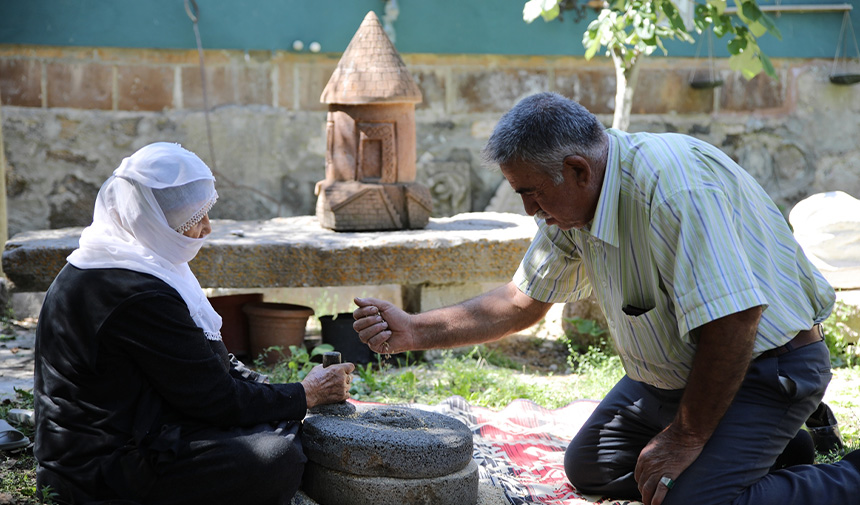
pixel 542 130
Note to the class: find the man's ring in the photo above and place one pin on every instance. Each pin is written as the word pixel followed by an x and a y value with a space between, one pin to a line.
pixel 667 481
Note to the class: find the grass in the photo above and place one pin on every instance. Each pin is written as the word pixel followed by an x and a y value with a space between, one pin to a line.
pixel 18 468
pixel 481 375
pixel 475 377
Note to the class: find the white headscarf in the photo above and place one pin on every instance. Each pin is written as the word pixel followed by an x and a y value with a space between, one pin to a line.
pixel 141 211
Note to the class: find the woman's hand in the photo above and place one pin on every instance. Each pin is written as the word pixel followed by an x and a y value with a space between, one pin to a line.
pixel 382 326
pixel 328 385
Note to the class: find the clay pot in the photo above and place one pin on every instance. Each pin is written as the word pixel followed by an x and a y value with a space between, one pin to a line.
pixel 234 325
pixel 275 324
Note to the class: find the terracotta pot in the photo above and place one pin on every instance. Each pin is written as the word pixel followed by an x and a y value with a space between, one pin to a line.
pixel 234 326
pixel 275 324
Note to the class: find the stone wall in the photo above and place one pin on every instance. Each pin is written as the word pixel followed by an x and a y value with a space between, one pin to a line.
pixel 71 114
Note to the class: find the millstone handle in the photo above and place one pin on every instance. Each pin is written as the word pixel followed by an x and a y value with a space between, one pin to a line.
pixel 331 358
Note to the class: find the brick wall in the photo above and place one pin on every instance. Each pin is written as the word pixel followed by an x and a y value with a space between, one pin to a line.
pixel 158 80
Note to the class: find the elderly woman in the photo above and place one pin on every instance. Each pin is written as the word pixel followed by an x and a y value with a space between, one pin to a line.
pixel 137 399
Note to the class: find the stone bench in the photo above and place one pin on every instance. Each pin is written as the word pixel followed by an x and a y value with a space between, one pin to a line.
pixel 293 252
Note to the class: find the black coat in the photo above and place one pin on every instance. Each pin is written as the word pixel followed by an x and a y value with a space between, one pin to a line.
pixel 120 370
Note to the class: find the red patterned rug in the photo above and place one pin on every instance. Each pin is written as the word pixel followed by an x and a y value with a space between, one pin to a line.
pixel 520 449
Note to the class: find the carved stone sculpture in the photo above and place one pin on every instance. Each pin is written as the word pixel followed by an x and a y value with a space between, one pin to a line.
pixel 370 131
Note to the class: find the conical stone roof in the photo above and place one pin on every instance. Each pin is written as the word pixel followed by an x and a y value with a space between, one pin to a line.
pixel 370 70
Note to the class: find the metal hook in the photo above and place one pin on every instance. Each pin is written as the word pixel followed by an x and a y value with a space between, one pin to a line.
pixel 192 10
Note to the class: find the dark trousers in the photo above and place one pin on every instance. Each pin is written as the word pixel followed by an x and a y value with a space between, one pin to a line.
pixel 262 465
pixel 777 396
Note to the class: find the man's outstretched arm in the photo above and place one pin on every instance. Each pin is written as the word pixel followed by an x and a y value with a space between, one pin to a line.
pixel 502 311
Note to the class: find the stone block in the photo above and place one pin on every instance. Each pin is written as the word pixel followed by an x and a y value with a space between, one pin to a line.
pixel 144 87
pixel 253 84
pixel 661 91
pixel 760 92
pixel 433 86
pixel 481 90
pixel 311 80
pixel 233 83
pixel 79 85
pixel 21 82
pixel 71 201
pixel 592 87
pixel 429 297
pixel 298 252
pixel 287 85
pixel 840 171
pixel 219 87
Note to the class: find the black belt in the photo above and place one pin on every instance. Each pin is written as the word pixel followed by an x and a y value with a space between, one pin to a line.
pixel 802 339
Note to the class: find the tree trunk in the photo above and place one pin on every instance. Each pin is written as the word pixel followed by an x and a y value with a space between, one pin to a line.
pixel 626 75
pixel 3 217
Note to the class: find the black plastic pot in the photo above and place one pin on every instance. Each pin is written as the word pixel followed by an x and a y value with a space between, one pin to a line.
pixel 338 332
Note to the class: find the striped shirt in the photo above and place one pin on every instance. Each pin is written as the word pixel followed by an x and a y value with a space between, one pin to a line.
pixel 681 236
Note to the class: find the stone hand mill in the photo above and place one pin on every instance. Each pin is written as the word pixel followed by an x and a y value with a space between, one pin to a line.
pixel 386 455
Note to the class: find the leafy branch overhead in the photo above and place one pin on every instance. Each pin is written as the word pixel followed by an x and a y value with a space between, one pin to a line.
pixel 633 28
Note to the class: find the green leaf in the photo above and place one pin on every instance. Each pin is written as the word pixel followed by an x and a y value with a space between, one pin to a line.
pixel 750 11
pixel 720 5
pixel 674 17
pixel 768 66
pixel 752 69
pixel 552 13
pixel 746 62
pixel 322 348
pixel 592 49
pixel 737 45
pixel 722 25
pixel 770 25
pixel 757 29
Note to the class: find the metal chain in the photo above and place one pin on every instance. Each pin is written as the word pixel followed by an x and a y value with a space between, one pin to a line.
pixel 194 13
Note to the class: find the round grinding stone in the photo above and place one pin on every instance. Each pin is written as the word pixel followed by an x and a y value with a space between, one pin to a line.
pixel 389 442
pixel 330 487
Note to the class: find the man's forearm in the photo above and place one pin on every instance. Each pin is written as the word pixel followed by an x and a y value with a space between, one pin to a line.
pixel 488 317
pixel 722 358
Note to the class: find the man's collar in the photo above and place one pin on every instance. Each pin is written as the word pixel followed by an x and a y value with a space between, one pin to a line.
pixel 604 226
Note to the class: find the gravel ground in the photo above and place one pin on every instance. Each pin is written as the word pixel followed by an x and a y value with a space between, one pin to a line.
pixel 17 348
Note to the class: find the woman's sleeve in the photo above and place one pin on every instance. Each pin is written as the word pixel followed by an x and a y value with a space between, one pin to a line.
pixel 159 336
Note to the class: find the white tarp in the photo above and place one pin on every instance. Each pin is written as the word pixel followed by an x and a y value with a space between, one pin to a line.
pixel 827 226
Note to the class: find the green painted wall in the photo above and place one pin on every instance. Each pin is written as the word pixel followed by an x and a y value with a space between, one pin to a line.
pixel 424 26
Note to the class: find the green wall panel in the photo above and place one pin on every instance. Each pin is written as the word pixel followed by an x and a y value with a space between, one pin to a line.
pixel 424 26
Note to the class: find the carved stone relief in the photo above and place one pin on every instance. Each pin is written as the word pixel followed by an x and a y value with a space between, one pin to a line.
pixel 449 183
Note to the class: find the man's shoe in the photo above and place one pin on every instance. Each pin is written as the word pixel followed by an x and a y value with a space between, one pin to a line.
pixel 824 429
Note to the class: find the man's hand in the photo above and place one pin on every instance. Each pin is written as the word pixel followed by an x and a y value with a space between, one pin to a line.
pixel 328 385
pixel 490 316
pixel 382 326
pixel 666 455
pixel 723 355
